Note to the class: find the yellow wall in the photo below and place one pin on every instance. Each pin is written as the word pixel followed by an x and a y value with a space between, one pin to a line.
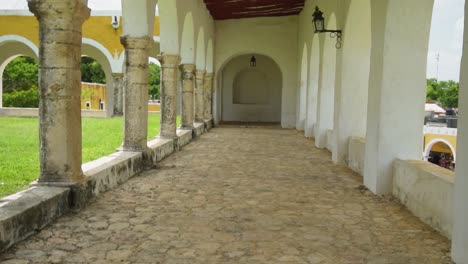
pixel 97 28
pixel 154 108
pixel 440 147
pixel 92 92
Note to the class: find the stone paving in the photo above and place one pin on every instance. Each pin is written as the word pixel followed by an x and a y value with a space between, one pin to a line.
pixel 239 195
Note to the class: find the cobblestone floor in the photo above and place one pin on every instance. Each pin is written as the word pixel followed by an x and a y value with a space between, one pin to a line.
pixel 239 195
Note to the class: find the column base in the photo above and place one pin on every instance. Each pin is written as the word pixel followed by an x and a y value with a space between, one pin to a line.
pixel 80 194
pixel 132 149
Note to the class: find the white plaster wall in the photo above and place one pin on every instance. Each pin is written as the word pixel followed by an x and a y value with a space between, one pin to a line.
pixel 356 154
pixel 275 37
pixel 351 99
pixel 330 139
pixel 312 88
pixel 427 191
pixel 301 107
pixel 251 93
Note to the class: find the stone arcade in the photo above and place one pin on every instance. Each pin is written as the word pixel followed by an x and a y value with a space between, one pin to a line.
pixel 349 100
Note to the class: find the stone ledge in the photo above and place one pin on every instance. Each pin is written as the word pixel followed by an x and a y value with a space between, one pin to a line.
pixel 427 191
pixel 183 138
pixel 24 213
pixel 198 129
pixel 208 124
pixel 160 148
pixel 109 172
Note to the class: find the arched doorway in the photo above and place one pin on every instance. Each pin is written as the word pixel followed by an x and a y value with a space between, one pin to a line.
pixel 441 153
pixel 251 94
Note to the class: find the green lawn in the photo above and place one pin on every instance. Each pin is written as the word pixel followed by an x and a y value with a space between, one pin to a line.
pixel 19 147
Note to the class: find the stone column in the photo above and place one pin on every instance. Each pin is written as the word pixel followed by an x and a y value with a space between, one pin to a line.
pixel 118 94
pixel 199 96
pixel 169 78
pixel 208 96
pixel 135 85
pixel 188 76
pixel 60 24
pixel 460 208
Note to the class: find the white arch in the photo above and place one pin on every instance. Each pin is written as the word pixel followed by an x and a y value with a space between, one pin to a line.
pixel 187 49
pixel 326 93
pixel 312 88
pixel 201 50
pixel 169 26
pixel 432 143
pixel 209 56
pixel 114 64
pixel 301 108
pixel 15 38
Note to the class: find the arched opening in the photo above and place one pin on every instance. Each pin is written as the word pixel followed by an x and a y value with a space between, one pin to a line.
pixel 312 88
pixel 441 153
pixel 93 85
pixel 154 92
pixel 302 93
pixel 11 47
pixel 20 82
pixel 443 63
pixel 101 86
pixel 326 106
pixel 251 94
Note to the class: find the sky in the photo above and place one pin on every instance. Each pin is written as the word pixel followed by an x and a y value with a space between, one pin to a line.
pixel 446 40
pixel 445 45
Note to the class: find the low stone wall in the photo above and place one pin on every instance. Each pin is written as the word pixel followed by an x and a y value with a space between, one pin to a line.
pixel 27 212
pixel 357 154
pixel 23 213
pixel 330 140
pixel 34 112
pixel 19 112
pixel 427 191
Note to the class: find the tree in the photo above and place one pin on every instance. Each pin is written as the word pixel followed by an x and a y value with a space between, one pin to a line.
pixel 91 71
pixel 444 92
pixel 154 81
pixel 20 74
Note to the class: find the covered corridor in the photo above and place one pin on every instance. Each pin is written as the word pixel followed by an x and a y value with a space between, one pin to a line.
pixel 239 195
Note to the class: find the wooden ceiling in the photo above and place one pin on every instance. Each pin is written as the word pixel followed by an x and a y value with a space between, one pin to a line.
pixel 233 9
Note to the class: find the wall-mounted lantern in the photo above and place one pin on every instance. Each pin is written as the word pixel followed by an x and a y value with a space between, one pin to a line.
pixel 319 24
pixel 253 62
pixel 115 22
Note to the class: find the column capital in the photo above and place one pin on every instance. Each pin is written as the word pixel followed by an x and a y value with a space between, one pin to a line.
pixel 200 74
pixel 60 9
pixel 209 76
pixel 188 71
pixel 130 42
pixel 169 60
pixel 117 75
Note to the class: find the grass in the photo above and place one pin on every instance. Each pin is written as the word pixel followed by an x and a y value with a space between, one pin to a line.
pixel 19 146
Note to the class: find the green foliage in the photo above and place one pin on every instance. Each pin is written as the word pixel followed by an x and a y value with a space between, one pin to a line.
pixel 91 71
pixel 20 74
pixel 444 92
pixel 154 81
pixel 21 98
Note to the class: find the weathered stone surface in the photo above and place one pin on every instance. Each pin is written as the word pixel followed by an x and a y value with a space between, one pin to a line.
pixel 60 24
pixel 109 172
pixel 118 93
pixel 183 138
pixel 200 96
pixel 160 148
pixel 24 213
pixel 169 79
pixel 254 196
pixel 198 129
pixel 188 86
pixel 135 94
pixel 208 95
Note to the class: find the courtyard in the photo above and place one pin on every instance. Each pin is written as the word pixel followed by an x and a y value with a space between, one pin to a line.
pixel 239 195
